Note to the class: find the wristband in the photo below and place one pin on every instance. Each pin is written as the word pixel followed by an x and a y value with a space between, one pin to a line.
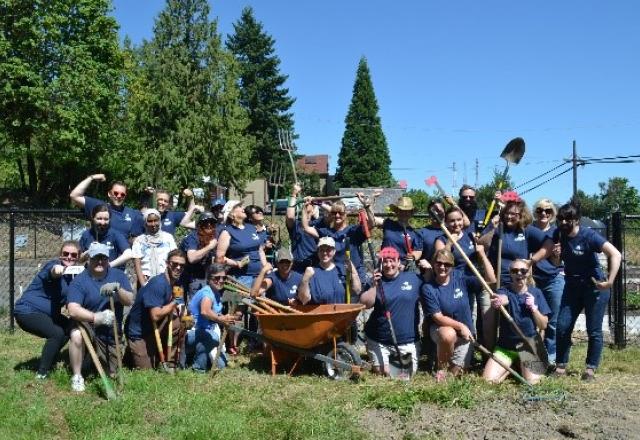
pixel 292 202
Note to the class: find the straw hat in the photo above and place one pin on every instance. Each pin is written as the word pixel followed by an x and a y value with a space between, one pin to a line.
pixel 403 204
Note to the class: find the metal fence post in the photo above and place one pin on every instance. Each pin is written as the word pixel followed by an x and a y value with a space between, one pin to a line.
pixel 12 263
pixel 618 293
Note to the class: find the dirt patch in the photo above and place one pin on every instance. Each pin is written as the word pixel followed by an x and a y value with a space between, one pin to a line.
pixel 606 409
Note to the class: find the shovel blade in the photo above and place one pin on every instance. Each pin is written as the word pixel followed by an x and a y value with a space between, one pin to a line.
pixel 537 360
pixel 400 367
pixel 514 151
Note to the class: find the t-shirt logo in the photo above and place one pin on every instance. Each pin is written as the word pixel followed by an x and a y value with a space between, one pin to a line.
pixel 293 290
pixel 457 293
pixel 110 245
pixel 578 250
pixel 167 221
pixel 406 286
pixel 519 237
pixel 254 236
pixel 127 217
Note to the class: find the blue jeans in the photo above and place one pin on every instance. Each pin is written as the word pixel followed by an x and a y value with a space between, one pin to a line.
pixel 577 296
pixel 552 291
pixel 203 341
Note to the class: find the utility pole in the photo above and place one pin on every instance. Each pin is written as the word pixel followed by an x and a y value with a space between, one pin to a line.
pixel 464 177
pixel 453 168
pixel 477 173
pixel 574 160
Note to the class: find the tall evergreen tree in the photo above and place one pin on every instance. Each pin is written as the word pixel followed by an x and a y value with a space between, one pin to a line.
pixel 364 157
pixel 60 67
pixel 184 117
pixel 262 89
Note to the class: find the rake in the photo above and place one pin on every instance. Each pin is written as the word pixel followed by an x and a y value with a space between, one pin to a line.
pixel 277 177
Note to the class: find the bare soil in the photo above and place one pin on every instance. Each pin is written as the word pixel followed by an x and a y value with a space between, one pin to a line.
pixel 608 408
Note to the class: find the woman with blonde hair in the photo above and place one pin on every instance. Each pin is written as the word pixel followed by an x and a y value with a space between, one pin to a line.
pixel 548 277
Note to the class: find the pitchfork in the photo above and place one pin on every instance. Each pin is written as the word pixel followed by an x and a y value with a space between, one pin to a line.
pixel 285 139
pixel 276 179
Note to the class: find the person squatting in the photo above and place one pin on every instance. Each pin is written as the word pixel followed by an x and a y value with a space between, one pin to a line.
pixel 438 291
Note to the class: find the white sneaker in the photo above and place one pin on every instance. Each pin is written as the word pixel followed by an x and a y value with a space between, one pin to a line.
pixel 40 376
pixel 77 383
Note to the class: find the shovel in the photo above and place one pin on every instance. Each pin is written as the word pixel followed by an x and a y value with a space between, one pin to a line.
pixel 512 153
pixel 530 347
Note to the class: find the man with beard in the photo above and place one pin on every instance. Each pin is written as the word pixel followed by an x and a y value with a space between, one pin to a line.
pixel 469 205
pixel 150 249
pixel 200 247
pixel 125 220
pixel 154 302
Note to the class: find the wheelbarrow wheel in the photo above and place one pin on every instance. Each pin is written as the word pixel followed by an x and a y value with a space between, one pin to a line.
pixel 345 353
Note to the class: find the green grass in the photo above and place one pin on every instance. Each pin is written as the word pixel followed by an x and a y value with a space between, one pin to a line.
pixel 238 403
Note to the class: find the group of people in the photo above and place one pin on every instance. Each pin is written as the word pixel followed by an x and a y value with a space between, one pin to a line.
pixel 443 284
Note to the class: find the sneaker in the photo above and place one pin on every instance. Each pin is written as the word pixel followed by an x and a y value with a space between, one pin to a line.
pixel 41 376
pixel 77 383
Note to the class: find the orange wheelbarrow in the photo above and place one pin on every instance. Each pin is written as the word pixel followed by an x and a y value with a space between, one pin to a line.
pixel 312 334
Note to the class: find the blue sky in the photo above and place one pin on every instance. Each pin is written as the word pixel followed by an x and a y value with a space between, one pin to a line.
pixel 456 80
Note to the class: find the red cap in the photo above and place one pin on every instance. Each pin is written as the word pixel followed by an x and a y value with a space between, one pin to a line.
pixel 389 252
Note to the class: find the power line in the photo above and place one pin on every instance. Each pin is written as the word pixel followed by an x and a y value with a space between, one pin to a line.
pixel 546 181
pixel 540 175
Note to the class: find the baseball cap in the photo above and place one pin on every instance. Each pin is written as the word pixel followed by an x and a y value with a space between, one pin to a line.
pixel 228 207
pixel 283 254
pixel 327 241
pixel 220 201
pixel 98 249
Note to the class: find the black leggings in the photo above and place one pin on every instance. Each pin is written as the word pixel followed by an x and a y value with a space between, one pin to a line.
pixel 56 332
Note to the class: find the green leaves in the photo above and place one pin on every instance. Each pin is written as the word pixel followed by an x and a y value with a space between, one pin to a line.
pixel 364 159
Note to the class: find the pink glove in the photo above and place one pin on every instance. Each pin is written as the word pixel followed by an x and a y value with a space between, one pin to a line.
pixel 496 302
pixel 530 302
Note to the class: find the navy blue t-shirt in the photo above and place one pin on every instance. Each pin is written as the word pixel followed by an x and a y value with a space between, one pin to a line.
pixel 325 287
pixel 303 245
pixel 516 244
pixel 579 254
pixel 156 293
pixel 115 241
pixel 85 290
pixel 45 294
pixel 429 236
pixel 452 299
pixel 522 316
pixel 545 270
pixel 401 295
pixel 195 270
pixel 127 221
pixel 356 238
pixel 245 241
pixel 467 245
pixel 170 220
pixel 393 234
pixel 282 290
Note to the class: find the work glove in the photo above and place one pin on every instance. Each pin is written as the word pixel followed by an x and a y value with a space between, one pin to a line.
pixel 109 289
pixel 530 302
pixel 103 318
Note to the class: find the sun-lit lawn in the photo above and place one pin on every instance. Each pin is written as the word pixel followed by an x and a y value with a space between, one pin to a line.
pixel 241 402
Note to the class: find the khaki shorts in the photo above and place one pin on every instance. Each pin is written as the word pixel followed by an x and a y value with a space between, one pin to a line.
pixel 379 353
pixel 462 350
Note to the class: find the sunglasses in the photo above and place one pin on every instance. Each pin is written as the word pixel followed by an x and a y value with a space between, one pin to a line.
pixel 257 211
pixel 70 254
pixel 218 278
pixel 547 211
pixel 443 263
pixel 517 271
pixel 175 265
pixel 468 197
pixel 565 219
pixel 341 213
pixel 512 214
pixel 119 194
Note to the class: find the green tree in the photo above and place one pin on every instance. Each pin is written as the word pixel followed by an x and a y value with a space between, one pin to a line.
pixel 615 194
pixel 485 193
pixel 364 156
pixel 60 70
pixel 184 118
pixel 420 199
pixel 262 91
